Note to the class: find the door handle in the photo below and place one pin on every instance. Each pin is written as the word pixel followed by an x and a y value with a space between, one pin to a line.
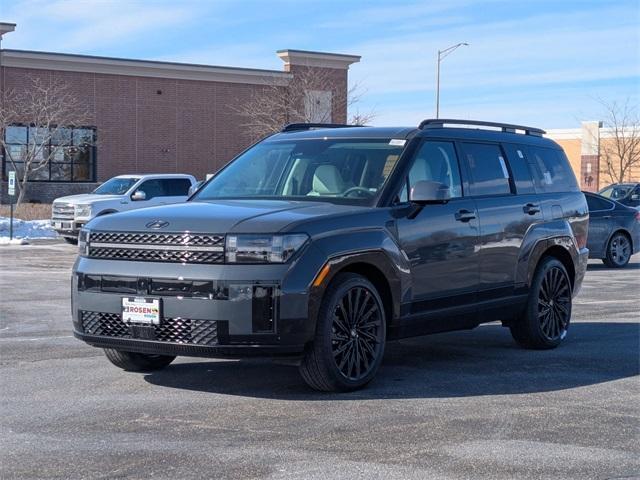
pixel 531 209
pixel 465 215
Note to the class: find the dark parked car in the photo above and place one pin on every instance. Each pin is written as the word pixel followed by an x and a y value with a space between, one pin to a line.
pixel 625 193
pixel 614 230
pixel 326 242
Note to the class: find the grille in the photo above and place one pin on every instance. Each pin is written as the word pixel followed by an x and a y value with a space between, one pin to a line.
pixel 182 239
pixel 62 211
pixel 175 256
pixel 172 330
pixel 157 247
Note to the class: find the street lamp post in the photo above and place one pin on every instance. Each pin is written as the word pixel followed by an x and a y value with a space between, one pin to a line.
pixel 441 55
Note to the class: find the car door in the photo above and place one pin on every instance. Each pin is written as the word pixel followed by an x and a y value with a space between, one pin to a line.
pixel 601 212
pixel 439 240
pixel 507 208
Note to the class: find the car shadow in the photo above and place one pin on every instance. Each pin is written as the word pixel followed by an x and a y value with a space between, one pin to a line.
pixel 484 361
pixel 602 266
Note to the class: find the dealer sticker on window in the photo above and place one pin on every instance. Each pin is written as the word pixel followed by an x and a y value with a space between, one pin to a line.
pixel 141 310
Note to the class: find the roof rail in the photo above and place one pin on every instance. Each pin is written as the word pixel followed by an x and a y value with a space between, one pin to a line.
pixel 294 127
pixel 505 127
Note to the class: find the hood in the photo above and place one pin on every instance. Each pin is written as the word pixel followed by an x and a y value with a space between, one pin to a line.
pixel 220 217
pixel 84 198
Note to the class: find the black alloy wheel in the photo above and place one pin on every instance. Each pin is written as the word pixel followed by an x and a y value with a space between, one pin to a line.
pixel 350 336
pixel 554 304
pixel 356 333
pixel 545 320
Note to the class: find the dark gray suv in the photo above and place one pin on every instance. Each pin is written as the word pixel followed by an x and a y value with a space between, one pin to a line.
pixel 325 241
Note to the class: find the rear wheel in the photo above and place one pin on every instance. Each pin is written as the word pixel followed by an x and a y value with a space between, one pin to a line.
pixel 350 334
pixel 546 318
pixel 137 362
pixel 618 251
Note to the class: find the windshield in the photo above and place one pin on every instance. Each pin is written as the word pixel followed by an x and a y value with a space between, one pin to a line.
pixel 616 192
pixel 116 186
pixel 341 170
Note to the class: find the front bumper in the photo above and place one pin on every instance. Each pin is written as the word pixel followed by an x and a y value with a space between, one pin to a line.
pixel 68 228
pixel 207 310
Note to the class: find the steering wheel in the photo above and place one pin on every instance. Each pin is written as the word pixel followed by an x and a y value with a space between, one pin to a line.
pixel 351 190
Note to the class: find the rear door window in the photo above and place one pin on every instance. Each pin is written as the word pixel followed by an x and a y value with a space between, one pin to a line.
pixel 516 155
pixel 176 187
pixel 551 170
pixel 488 169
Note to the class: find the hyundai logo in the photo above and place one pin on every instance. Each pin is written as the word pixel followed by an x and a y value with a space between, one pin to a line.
pixel 157 224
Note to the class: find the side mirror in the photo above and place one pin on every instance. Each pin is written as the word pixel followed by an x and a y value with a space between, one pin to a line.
pixel 425 192
pixel 138 195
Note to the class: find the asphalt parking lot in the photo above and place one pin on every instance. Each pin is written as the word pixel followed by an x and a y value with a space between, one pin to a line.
pixel 458 405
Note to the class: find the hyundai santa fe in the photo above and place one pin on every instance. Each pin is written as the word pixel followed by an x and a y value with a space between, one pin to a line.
pixel 326 241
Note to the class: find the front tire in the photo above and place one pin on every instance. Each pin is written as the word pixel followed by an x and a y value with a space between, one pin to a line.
pixel 350 335
pixel 137 362
pixel 71 240
pixel 618 251
pixel 546 318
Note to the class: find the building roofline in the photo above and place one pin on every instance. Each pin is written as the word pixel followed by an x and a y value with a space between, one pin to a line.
pixel 143 68
pixel 317 59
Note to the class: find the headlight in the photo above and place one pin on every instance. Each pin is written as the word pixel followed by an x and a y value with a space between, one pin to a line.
pixel 263 248
pixel 82 211
pixel 83 242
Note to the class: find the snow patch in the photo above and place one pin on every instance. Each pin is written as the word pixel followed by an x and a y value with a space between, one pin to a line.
pixel 26 229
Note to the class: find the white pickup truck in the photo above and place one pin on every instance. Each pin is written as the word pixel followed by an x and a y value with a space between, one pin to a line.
pixel 121 193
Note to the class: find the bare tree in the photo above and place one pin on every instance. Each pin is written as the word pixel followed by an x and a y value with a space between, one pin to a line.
pixel 47 106
pixel 620 153
pixel 308 98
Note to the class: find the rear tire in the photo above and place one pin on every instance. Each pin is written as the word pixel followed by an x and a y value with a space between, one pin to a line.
pixel 70 240
pixel 137 362
pixel 545 321
pixel 618 251
pixel 350 334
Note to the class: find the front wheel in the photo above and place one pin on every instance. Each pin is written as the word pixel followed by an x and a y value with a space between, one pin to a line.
pixel 350 335
pixel 618 251
pixel 71 240
pixel 137 362
pixel 546 318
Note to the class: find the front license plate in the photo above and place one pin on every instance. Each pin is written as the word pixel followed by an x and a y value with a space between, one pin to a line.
pixel 141 310
pixel 62 225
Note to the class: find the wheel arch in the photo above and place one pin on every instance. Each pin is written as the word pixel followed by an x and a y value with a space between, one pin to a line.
pixel 106 212
pixel 375 266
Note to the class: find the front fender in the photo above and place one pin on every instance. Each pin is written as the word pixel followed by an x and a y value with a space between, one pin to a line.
pixel 339 250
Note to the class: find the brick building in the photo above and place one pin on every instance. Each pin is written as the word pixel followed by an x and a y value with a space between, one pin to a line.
pixel 156 117
pixel 585 147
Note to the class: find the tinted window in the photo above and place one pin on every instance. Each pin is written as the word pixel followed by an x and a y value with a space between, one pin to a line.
pixel 551 170
pixel 616 192
pixel 488 169
pixel 152 188
pixel 176 187
pixel 516 154
pixel 596 203
pixel 435 161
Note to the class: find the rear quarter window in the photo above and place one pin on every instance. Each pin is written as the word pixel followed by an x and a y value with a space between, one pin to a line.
pixel 596 203
pixel 551 170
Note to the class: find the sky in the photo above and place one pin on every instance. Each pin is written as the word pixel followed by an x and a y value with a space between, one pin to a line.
pixel 543 63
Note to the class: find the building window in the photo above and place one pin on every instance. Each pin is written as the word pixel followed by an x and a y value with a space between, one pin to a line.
pixel 71 153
